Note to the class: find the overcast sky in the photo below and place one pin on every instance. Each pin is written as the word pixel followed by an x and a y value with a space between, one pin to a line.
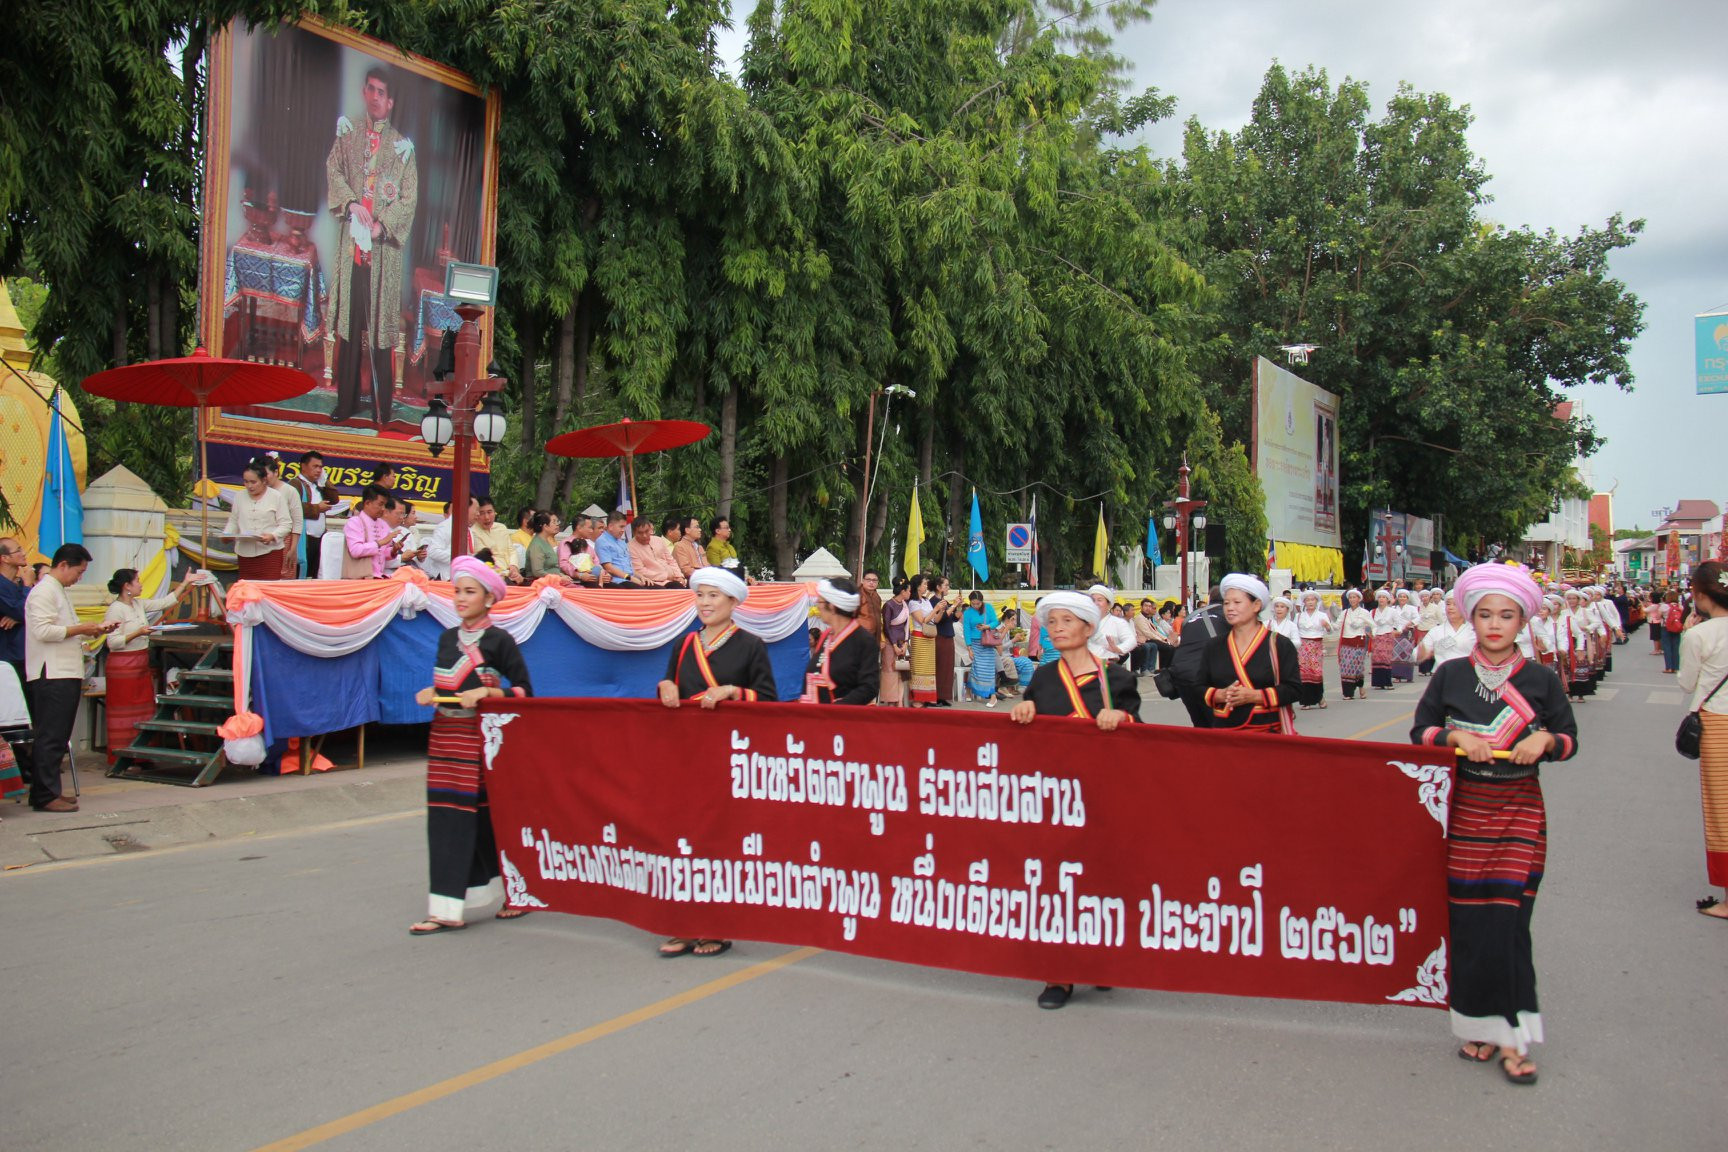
pixel 1582 109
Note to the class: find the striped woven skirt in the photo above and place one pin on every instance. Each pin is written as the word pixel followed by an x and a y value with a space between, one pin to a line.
pixel 981 677
pixel 1312 657
pixel 923 674
pixel 131 697
pixel 265 567
pixel 1353 658
pixel 1403 658
pixel 459 842
pixel 1385 644
pixel 1713 783
pixel 1496 850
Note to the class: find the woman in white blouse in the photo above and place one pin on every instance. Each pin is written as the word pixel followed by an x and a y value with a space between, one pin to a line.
pixel 1703 673
pixel 258 525
pixel 1431 615
pixel 1354 627
pixel 1388 626
pixel 1312 624
pixel 1451 639
pixel 131 691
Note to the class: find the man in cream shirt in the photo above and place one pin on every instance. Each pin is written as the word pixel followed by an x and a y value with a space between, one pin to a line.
pixel 54 667
pixel 1113 639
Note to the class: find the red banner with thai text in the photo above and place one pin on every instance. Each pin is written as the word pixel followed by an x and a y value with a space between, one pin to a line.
pixel 1149 857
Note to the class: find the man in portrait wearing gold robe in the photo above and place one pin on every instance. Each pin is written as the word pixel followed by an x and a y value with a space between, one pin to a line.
pixel 374 186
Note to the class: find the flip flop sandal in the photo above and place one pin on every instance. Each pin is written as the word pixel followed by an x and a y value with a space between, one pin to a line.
pixel 720 948
pixel 684 948
pixel 437 927
pixel 1506 1063
pixel 1483 1053
pixel 511 913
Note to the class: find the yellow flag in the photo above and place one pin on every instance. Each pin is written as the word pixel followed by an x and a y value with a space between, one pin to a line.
pixel 1100 548
pixel 914 534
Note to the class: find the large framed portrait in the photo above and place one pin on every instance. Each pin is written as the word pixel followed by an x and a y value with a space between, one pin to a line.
pixel 343 175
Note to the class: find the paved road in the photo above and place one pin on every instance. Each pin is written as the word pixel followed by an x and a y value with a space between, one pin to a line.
pixel 237 995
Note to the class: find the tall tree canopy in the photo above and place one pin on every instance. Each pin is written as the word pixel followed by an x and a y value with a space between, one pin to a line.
pixel 1450 338
pixel 917 219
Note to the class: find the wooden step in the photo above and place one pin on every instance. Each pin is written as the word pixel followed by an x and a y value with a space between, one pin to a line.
pixel 168 755
pixel 192 700
pixel 225 675
pixel 179 727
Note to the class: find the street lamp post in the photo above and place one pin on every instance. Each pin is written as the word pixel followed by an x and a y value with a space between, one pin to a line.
pixel 463 407
pixel 1182 507
pixel 1384 548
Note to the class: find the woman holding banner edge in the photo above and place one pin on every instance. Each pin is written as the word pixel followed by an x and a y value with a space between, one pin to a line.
pixel 474 661
pixel 1077 684
pixel 716 663
pixel 1504 716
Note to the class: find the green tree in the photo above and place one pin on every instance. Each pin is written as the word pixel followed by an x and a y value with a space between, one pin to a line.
pixel 1451 339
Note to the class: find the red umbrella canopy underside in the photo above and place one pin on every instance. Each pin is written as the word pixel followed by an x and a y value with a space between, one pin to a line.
pixel 199 381
pixel 628 438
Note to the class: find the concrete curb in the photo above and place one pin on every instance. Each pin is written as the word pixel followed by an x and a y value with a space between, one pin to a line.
pixel 85 834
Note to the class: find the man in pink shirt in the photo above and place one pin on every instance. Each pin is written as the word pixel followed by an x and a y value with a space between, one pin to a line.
pixel 651 557
pixel 365 535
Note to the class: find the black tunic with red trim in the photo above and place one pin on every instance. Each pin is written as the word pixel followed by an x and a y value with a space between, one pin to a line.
pixel 740 661
pixel 1050 694
pixel 849 674
pixel 1276 691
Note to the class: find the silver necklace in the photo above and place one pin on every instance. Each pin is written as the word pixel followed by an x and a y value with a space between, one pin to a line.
pixel 1491 678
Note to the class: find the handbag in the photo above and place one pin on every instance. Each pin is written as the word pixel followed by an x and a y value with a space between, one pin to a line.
pixel 990 638
pixel 1689 739
pixel 1165 683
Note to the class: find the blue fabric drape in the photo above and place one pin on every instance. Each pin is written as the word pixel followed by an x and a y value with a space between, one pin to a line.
pixel 301 695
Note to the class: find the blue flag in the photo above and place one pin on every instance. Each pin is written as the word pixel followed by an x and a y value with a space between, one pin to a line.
pixel 975 554
pixel 62 507
pixel 1152 552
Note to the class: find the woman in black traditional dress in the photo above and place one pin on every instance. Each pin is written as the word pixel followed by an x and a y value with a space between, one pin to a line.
pixel 1504 715
pixel 719 662
pixel 846 666
pixel 1076 684
pixel 1252 674
pixel 475 661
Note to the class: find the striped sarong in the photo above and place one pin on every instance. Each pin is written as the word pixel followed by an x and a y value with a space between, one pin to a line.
pixel 459 842
pixel 1496 849
pixel 131 697
pixel 981 677
pixel 1713 784
pixel 923 674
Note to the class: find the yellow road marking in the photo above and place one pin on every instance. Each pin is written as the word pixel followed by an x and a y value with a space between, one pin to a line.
pixel 1399 719
pixel 488 1072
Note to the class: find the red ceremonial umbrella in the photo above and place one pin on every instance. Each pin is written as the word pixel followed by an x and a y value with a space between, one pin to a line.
pixel 628 438
pixel 199 381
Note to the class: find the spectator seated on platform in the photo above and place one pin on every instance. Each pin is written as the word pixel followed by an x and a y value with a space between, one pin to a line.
pixel 576 557
pixel 496 539
pixel 614 554
pixel 651 557
pixel 437 562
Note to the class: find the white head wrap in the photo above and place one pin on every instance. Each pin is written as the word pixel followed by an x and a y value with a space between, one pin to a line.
pixel 722 579
pixel 1101 590
pixel 845 601
pixel 1356 592
pixel 1310 595
pixel 1082 606
pixel 1280 602
pixel 1252 585
pixel 1383 594
pixel 1404 593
